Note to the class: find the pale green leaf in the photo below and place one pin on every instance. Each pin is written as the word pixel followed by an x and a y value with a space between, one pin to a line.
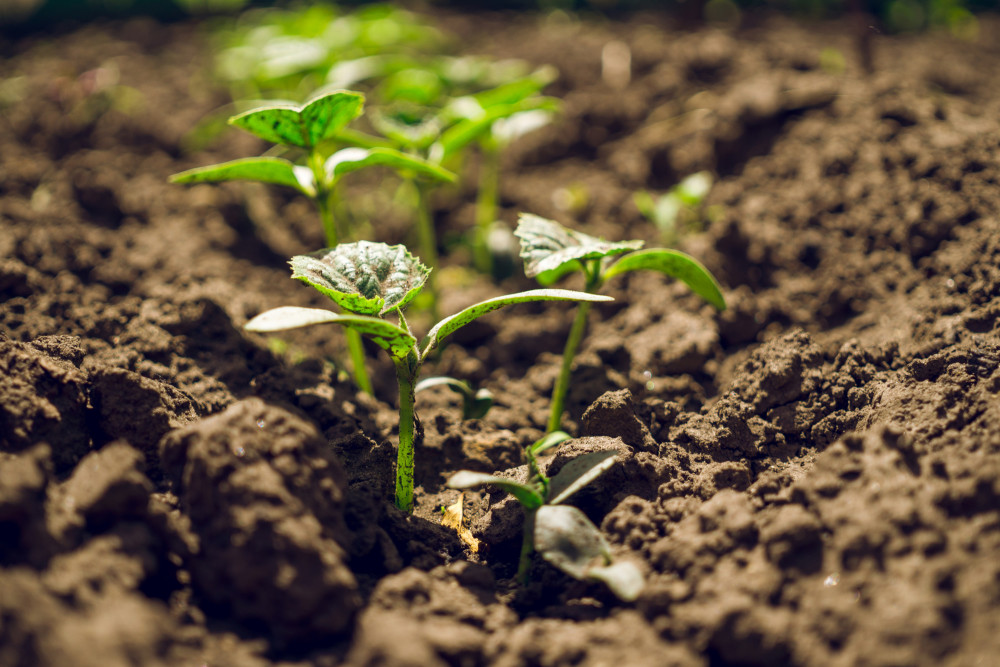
pixel 449 325
pixel 622 577
pixel 578 473
pixel 354 158
pixel 550 440
pixel 675 264
pixel 263 169
pixel 547 246
pixel 365 278
pixel 566 538
pixel 390 337
pixel 526 495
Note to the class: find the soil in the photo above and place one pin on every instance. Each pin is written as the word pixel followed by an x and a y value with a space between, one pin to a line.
pixel 811 477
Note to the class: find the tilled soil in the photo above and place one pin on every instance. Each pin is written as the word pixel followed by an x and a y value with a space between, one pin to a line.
pixel 811 477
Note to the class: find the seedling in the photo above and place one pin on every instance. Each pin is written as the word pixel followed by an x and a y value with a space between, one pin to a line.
pixel 308 127
pixel 475 403
pixel 371 281
pixel 561 534
pixel 677 211
pixel 551 251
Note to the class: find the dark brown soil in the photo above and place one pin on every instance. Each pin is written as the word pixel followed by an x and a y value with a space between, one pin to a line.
pixel 810 478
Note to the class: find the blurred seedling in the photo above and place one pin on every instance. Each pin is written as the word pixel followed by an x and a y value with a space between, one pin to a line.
pixel 561 534
pixel 370 282
pixel 475 403
pixel 307 129
pixel 678 211
pixel 551 251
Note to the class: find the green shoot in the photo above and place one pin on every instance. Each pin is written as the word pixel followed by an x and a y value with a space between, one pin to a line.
pixel 551 251
pixel 475 404
pixel 561 534
pixel 676 212
pixel 309 127
pixel 371 281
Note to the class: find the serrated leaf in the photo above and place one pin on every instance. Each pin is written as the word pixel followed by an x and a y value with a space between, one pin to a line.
pixel 263 169
pixel 449 325
pixel 365 278
pixel 578 473
pixel 354 158
pixel 566 538
pixel 526 495
pixel 675 264
pixel 622 577
pixel 547 246
pixel 305 125
pixel 395 340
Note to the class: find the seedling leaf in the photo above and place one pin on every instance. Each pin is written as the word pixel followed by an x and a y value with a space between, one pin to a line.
pixel 391 338
pixel 549 440
pixel 675 264
pixel 265 169
pixel 449 325
pixel 549 248
pixel 623 578
pixel 566 538
pixel 475 404
pixel 303 126
pixel 526 495
pixel 365 278
pixel 578 473
pixel 354 158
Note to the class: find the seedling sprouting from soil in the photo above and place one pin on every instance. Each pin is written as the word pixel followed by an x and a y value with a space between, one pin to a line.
pixel 308 128
pixel 677 211
pixel 475 403
pixel 551 251
pixel 371 281
pixel 561 534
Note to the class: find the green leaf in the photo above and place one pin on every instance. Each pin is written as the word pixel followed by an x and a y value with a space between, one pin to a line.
pixel 623 578
pixel 578 473
pixel 518 90
pixel 475 404
pixel 264 169
pixel 354 158
pixel 305 125
pixel 547 246
pixel 395 340
pixel 550 440
pixel 566 538
pixel 467 130
pixel 675 264
pixel 526 495
pixel 449 325
pixel 365 278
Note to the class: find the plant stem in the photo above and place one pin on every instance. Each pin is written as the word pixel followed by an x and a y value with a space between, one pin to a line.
pixel 406 372
pixel 527 546
pixel 486 206
pixel 324 201
pixel 427 239
pixel 356 348
pixel 562 382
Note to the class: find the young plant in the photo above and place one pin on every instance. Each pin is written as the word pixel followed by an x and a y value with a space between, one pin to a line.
pixel 677 211
pixel 371 281
pixel 475 404
pixel 308 128
pixel 551 251
pixel 561 534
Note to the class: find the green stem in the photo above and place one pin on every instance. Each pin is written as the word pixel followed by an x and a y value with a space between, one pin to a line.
pixel 325 203
pixel 486 207
pixel 427 239
pixel 569 352
pixel 355 346
pixel 406 373
pixel 527 546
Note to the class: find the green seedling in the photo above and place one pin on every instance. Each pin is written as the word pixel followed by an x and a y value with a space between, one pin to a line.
pixel 677 211
pixel 551 251
pixel 308 128
pixel 475 403
pixel 371 281
pixel 561 534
